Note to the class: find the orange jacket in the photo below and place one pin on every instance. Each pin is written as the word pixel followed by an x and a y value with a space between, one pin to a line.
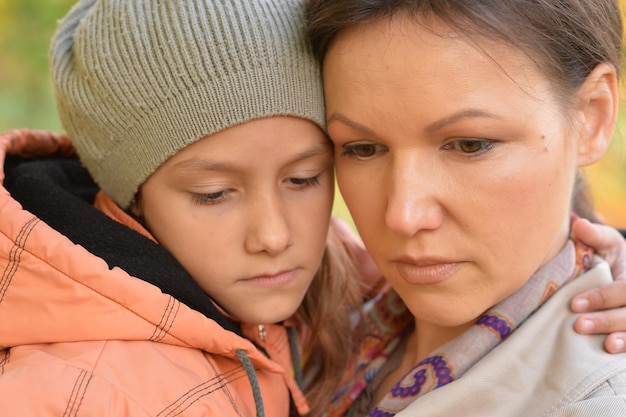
pixel 80 336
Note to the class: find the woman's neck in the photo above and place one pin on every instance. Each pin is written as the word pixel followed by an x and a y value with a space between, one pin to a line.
pixel 428 337
pixel 423 340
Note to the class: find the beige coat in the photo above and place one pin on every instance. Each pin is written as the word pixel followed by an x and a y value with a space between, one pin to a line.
pixel 543 369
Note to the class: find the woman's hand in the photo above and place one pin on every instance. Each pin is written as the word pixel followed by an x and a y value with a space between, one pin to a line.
pixel 605 307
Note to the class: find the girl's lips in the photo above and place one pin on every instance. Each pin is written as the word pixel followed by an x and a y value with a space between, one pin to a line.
pixel 277 280
pixel 427 273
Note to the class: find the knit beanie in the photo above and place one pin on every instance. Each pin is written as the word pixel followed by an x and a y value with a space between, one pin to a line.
pixel 138 80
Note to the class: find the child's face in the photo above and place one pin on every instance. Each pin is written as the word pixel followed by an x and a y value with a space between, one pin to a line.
pixel 246 212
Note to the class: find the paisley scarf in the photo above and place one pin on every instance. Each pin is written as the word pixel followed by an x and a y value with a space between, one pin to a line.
pixel 453 359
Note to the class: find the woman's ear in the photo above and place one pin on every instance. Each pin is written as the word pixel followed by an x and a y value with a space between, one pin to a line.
pixel 598 109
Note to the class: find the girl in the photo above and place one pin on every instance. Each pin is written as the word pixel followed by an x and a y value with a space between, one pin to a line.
pixel 207 269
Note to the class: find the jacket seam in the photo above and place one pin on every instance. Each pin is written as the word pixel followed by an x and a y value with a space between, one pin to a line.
pixel 219 381
pixel 80 387
pixel 24 249
pixel 78 393
pixel 162 329
pixel 227 392
pixel 15 255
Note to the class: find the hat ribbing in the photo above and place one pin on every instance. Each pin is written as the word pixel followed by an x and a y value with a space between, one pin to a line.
pixel 138 80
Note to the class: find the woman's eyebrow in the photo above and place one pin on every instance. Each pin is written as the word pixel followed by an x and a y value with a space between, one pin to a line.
pixel 455 117
pixel 431 128
pixel 351 123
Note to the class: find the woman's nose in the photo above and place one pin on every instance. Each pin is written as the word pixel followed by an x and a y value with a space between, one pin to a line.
pixel 412 203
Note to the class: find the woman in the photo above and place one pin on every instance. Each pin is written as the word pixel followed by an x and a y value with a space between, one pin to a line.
pixel 459 128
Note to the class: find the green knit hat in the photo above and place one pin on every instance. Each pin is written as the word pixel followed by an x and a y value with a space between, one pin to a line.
pixel 138 80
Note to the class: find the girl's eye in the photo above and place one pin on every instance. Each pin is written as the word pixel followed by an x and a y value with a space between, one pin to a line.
pixel 210 198
pixel 472 146
pixel 362 150
pixel 305 182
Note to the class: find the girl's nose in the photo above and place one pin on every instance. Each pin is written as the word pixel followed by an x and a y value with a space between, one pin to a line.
pixel 268 229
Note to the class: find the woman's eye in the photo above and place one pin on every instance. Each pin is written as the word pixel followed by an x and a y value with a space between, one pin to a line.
pixel 472 146
pixel 362 150
pixel 209 198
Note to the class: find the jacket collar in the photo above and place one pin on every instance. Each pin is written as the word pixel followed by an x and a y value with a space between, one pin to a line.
pixel 45 178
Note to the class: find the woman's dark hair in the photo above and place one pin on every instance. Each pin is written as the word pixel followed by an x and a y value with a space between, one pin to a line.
pixel 567 39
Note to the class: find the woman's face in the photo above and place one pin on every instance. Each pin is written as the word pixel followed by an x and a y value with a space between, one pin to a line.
pixel 246 212
pixel 457 169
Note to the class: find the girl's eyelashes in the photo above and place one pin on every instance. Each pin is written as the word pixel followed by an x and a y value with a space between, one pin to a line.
pixel 305 182
pixel 222 195
pixel 209 198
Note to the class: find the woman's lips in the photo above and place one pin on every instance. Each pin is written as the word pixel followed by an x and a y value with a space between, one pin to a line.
pixel 424 272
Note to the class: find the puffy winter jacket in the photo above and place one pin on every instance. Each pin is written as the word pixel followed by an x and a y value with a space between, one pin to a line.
pixel 97 319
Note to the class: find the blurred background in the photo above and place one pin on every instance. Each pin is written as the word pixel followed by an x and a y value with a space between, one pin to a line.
pixel 26 100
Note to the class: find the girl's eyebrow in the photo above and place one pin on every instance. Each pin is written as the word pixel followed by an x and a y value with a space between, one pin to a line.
pixel 318 149
pixel 201 164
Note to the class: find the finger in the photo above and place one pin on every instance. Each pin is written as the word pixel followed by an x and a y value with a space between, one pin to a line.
pixel 615 343
pixel 602 322
pixel 588 234
pixel 611 295
pixel 607 242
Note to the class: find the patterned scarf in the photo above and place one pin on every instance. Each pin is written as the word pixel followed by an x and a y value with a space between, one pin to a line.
pixel 453 359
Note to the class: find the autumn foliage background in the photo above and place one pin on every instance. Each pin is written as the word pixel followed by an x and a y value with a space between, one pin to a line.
pixel 26 101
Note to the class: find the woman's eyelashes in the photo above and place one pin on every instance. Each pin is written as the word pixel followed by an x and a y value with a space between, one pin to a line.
pixel 470 147
pixel 362 151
